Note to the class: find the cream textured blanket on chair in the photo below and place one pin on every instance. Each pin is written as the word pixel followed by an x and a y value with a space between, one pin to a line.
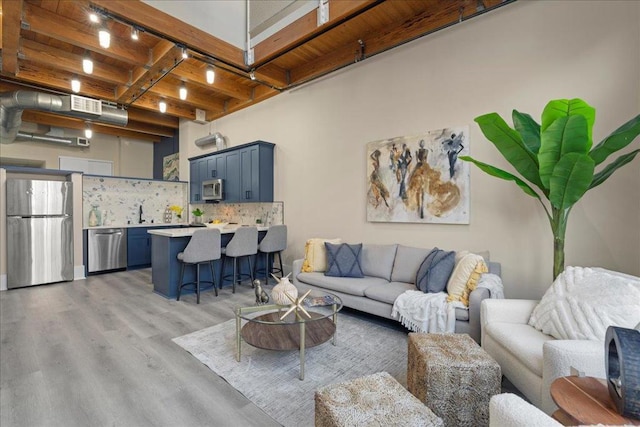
pixel 582 302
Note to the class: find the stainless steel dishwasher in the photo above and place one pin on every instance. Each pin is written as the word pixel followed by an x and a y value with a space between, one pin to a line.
pixel 107 249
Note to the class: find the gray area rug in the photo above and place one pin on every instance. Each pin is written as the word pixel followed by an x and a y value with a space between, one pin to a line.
pixel 270 378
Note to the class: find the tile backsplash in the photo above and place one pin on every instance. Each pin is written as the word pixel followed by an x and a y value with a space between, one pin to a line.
pixel 270 213
pixel 118 202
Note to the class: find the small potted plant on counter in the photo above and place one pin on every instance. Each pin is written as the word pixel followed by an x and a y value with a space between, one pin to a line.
pixel 197 215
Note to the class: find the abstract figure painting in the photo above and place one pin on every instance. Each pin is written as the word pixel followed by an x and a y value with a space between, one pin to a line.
pixel 419 178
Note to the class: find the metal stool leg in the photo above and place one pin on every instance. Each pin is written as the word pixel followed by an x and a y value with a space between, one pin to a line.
pixel 213 277
pixel 197 283
pixel 235 265
pixel 280 259
pixel 181 280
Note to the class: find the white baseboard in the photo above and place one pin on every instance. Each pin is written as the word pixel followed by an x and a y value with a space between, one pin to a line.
pixel 78 272
pixel 3 282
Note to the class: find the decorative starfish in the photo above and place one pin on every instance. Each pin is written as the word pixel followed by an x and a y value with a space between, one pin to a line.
pixel 296 304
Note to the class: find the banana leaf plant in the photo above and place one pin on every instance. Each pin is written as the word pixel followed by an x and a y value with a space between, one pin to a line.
pixel 555 159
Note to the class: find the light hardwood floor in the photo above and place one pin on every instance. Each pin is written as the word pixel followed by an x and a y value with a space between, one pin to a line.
pixel 98 352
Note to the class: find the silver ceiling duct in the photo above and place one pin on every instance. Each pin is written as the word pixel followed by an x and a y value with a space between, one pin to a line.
pixel 12 104
pixel 215 138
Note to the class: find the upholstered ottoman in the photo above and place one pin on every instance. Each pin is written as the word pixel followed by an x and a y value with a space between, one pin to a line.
pixel 373 400
pixel 453 376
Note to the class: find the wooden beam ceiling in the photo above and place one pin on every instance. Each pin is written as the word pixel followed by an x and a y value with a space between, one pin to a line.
pixel 44 41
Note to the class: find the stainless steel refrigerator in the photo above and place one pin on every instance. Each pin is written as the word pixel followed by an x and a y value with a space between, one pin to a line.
pixel 39 232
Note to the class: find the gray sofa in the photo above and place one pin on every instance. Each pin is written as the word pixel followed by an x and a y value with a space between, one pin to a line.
pixel 389 271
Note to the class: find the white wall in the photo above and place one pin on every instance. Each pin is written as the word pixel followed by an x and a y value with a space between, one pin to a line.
pixel 519 56
pixel 132 158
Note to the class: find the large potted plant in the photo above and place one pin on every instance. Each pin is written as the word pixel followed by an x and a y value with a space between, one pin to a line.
pixel 556 157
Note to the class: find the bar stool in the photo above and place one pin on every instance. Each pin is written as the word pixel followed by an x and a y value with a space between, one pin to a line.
pixel 274 242
pixel 243 244
pixel 204 247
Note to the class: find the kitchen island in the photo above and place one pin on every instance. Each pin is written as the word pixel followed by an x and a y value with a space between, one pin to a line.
pixel 165 268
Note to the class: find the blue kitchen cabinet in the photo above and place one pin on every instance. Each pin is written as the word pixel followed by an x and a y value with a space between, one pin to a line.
pixel 256 165
pixel 138 248
pixel 232 182
pixel 247 171
pixel 199 172
pixel 216 167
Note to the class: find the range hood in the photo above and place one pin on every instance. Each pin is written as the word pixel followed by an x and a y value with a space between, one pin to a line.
pixel 12 104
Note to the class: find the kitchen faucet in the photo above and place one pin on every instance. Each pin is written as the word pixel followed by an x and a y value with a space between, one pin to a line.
pixel 140 220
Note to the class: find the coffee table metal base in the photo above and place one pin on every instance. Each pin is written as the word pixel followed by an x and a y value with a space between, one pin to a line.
pixel 268 332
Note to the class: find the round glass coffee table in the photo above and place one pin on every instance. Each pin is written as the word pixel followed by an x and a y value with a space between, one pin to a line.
pixel 310 322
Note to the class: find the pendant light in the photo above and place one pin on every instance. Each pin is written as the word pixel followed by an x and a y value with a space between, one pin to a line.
pixel 162 106
pixel 134 34
pixel 88 132
pixel 75 84
pixel 183 91
pixel 211 74
pixel 104 37
pixel 87 63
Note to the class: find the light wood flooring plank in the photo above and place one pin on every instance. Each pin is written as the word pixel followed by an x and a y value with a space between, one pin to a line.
pixel 99 352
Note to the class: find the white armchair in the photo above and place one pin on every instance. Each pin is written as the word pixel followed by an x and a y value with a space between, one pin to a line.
pixel 509 410
pixel 530 359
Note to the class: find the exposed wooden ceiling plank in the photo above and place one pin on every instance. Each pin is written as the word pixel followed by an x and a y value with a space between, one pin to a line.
pixel 11 16
pixel 378 41
pixel 224 82
pixel 149 101
pixel 164 56
pixel 306 28
pixel 55 79
pixel 43 54
pixel 153 117
pixel 260 94
pixel 80 34
pixel 170 92
pixel 172 28
pixel 273 75
pixel 73 123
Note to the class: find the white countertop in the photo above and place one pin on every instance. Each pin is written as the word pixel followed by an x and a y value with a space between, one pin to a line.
pixel 136 225
pixel 186 232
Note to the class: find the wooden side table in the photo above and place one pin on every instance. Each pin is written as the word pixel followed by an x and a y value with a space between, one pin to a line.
pixel 585 400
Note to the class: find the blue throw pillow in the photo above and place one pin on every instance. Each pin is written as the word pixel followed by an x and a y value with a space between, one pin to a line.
pixel 343 260
pixel 435 270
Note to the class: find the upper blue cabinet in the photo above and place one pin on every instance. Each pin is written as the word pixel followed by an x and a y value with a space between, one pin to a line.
pixel 247 171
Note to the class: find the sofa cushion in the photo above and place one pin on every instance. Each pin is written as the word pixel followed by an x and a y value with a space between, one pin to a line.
pixel 522 341
pixel 315 255
pixel 343 260
pixel 434 272
pixel 407 262
pixel 387 292
pixel 377 260
pixel 464 278
pixel 347 285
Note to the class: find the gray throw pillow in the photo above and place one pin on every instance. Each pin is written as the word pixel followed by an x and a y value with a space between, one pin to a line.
pixel 343 260
pixel 435 270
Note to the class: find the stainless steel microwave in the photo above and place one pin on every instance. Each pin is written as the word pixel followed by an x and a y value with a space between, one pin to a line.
pixel 212 189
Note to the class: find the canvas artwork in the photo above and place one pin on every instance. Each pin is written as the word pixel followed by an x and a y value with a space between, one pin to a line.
pixel 419 178
pixel 171 167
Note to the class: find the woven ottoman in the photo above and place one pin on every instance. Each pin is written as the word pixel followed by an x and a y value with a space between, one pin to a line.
pixel 373 400
pixel 453 376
